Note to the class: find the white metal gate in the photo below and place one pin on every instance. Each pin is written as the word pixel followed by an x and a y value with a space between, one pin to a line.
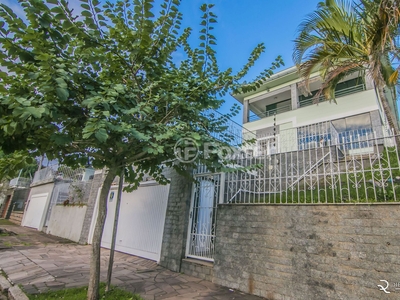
pixel 34 210
pixel 141 220
pixel 203 212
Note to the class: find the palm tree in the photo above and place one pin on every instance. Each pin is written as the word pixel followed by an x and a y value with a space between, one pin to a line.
pixel 340 38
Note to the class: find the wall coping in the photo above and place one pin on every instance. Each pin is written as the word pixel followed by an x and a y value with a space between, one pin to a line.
pixel 308 204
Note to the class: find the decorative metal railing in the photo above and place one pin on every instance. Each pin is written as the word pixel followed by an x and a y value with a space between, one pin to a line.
pixel 360 167
pixel 203 212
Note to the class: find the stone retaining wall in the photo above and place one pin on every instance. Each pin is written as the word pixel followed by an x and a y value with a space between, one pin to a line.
pixel 197 268
pixel 176 221
pixel 309 252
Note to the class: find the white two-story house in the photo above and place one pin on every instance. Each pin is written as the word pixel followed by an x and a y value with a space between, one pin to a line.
pixel 286 116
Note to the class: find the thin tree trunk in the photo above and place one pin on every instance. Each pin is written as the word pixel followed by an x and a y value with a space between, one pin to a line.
pixel 115 228
pixel 94 280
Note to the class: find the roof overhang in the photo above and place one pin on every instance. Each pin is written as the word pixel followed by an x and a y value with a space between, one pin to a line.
pixel 275 80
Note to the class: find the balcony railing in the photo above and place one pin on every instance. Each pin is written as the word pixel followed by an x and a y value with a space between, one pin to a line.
pixel 338 94
pixel 270 113
pixel 231 133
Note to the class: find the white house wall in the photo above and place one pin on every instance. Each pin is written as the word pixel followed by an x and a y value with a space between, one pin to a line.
pixel 346 106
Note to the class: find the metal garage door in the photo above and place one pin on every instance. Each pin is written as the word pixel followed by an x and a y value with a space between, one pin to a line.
pixel 141 220
pixel 34 210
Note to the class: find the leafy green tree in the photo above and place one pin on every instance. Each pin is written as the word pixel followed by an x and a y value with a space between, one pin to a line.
pixel 340 38
pixel 104 85
pixel 16 163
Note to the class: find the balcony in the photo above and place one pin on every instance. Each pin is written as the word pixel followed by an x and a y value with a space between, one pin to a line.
pixel 269 113
pixel 279 101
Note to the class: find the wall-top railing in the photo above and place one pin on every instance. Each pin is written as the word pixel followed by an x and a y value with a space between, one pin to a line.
pixel 20 182
pixel 61 172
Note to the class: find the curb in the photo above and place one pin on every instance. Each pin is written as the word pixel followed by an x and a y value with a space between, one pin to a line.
pixel 14 292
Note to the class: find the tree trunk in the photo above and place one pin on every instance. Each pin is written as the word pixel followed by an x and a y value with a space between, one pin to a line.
pixel 388 112
pixel 115 228
pixel 94 280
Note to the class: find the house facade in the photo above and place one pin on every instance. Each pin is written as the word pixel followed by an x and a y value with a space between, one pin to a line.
pixel 314 220
pixel 50 187
pixel 286 116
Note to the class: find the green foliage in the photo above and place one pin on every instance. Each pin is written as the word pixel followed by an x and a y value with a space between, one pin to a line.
pixel 105 85
pixel 341 37
pixel 11 165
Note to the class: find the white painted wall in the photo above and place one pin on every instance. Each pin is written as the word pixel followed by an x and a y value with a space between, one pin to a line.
pixel 67 221
pixel 346 106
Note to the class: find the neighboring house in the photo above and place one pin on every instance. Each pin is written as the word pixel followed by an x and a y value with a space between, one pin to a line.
pixel 52 186
pixel 15 195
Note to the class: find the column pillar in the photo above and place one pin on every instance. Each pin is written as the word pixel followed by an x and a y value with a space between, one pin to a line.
pixel 245 111
pixel 369 82
pixel 294 95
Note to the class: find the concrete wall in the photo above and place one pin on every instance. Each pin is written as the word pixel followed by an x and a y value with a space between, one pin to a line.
pixel 67 221
pixel 309 252
pixel 176 222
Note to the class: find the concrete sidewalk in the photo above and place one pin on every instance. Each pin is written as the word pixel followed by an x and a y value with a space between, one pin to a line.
pixel 57 265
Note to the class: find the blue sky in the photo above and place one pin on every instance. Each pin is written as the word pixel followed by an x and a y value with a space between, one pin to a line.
pixel 243 24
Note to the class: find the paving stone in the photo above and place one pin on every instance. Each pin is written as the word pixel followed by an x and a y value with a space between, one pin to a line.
pixel 4 284
pixel 57 265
